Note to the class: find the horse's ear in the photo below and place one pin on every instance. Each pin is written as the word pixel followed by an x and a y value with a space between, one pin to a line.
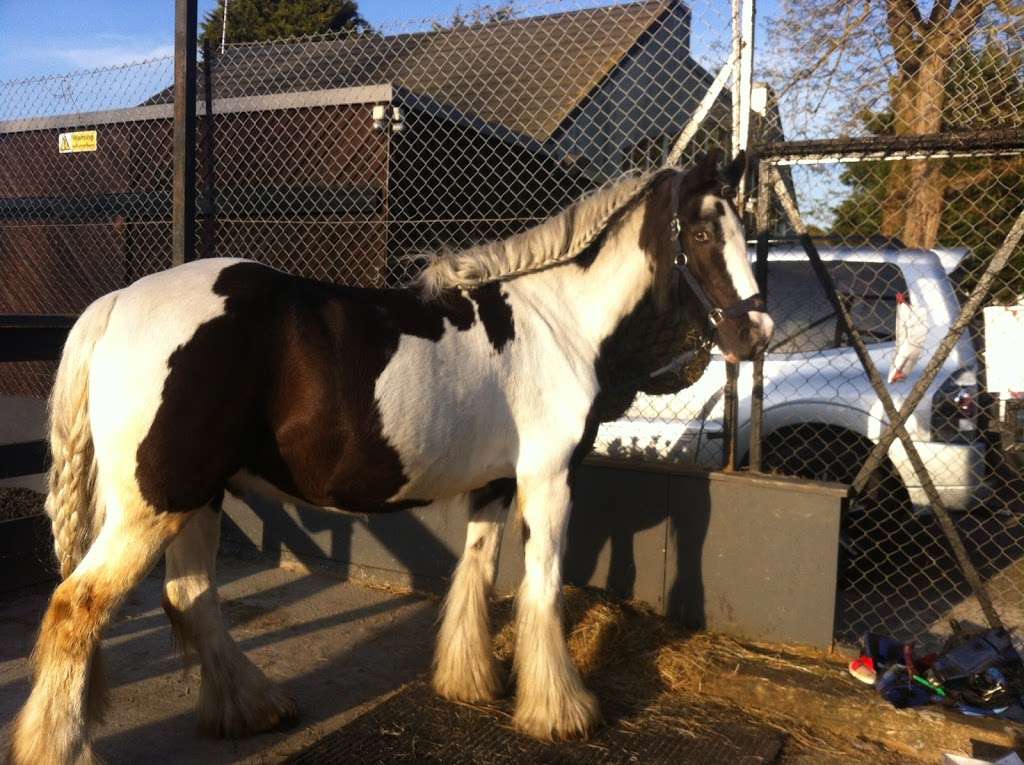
pixel 707 165
pixel 735 170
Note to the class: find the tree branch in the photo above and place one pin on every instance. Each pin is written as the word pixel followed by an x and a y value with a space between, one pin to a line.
pixel 903 19
pixel 963 181
pixel 939 12
pixel 958 25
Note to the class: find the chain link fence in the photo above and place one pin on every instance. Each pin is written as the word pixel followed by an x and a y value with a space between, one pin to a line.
pixel 908 176
pixel 338 157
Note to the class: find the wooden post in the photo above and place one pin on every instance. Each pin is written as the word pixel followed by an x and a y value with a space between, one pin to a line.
pixel 183 234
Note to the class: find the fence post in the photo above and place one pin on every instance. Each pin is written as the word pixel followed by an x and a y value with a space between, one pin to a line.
pixel 183 232
pixel 209 230
pixel 761 275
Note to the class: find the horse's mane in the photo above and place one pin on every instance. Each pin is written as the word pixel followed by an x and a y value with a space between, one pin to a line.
pixel 559 239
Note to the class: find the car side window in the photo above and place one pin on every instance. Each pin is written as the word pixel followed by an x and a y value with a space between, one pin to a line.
pixel 805 321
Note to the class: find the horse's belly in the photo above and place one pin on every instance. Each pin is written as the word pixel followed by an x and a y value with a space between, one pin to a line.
pixel 445 412
pixel 463 453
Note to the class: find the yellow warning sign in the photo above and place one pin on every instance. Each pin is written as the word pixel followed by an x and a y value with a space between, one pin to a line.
pixel 80 140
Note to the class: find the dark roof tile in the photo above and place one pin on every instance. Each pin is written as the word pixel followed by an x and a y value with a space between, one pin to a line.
pixel 525 74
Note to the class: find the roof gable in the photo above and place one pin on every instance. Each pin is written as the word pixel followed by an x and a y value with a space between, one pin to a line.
pixel 525 74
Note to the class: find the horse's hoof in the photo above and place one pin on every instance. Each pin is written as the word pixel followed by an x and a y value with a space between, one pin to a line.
pixel 244 715
pixel 481 685
pixel 554 718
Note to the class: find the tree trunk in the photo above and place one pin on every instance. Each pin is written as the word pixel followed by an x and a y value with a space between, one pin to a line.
pixel 916 189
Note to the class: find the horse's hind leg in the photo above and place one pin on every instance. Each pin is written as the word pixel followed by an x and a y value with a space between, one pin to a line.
pixel 464 666
pixel 235 697
pixel 67 695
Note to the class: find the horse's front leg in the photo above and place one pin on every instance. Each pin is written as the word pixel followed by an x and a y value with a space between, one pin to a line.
pixel 551 701
pixel 464 665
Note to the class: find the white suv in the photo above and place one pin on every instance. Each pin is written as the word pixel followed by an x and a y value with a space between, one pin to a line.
pixel 821 414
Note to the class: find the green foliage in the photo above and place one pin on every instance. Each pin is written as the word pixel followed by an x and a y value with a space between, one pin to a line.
pixel 484 13
pixel 256 20
pixel 984 195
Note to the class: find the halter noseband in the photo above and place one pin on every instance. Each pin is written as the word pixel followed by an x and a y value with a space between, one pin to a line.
pixel 715 314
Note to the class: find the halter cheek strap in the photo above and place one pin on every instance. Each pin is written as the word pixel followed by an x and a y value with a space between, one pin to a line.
pixel 716 315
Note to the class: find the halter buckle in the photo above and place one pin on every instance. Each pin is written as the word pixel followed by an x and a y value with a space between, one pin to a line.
pixel 716 316
pixel 676 226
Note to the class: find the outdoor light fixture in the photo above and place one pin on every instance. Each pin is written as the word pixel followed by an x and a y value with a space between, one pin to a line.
pixel 380 118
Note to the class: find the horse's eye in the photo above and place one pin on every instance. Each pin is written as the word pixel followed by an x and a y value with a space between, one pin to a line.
pixel 700 236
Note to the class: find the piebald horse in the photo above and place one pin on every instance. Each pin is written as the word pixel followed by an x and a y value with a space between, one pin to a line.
pixel 481 378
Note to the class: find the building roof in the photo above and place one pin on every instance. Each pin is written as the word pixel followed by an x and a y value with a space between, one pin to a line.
pixel 525 74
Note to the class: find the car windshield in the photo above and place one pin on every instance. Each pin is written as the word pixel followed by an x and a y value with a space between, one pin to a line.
pixel 805 321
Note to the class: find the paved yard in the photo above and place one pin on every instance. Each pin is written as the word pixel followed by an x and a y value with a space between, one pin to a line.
pixel 336 646
pixel 341 648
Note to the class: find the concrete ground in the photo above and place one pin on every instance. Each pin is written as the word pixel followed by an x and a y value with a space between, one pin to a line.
pixel 335 646
pixel 340 647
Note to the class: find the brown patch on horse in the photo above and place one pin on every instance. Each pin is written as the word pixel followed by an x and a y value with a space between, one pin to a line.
pixel 656 240
pixel 240 393
pixel 77 613
pixel 496 314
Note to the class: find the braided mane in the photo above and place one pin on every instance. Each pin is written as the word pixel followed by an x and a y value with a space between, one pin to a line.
pixel 557 240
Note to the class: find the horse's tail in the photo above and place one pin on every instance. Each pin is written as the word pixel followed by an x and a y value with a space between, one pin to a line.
pixel 70 501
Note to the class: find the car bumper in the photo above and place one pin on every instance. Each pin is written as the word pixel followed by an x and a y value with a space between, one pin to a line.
pixel 957 470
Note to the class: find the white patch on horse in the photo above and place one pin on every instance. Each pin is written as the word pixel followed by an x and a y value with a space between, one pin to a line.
pixel 130 362
pixel 464 443
pixel 737 263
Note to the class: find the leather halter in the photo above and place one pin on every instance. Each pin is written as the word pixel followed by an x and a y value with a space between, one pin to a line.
pixel 715 314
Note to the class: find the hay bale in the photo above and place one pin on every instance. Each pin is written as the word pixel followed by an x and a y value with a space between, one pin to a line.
pixel 651 672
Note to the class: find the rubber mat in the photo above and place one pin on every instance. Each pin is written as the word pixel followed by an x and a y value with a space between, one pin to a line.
pixel 416 727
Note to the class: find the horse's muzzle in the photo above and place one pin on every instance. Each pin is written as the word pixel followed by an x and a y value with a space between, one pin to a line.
pixel 743 339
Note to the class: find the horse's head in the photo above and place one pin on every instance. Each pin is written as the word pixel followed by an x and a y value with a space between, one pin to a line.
pixel 702 237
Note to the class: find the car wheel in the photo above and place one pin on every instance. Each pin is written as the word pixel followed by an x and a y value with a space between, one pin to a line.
pixel 824 453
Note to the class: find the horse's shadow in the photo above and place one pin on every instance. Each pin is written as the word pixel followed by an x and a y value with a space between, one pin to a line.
pixel 633 533
pixel 627 522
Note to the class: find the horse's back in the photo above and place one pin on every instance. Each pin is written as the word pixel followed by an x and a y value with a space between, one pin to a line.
pixel 340 396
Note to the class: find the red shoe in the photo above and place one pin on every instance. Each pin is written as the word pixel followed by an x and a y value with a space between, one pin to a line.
pixel 863 669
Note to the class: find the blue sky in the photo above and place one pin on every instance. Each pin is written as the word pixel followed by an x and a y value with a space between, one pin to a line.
pixel 39 37
pixel 42 37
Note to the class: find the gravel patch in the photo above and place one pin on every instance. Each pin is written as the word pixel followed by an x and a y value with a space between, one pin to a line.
pixel 16 502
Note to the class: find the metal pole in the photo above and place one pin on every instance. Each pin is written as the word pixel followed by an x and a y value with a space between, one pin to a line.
pixel 746 67
pixel 700 114
pixel 224 27
pixel 730 415
pixel 732 371
pixel 941 513
pixel 209 231
pixel 737 49
pixel 978 295
pixel 183 234
pixel 761 274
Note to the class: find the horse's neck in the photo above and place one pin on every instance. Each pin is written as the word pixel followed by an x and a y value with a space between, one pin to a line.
pixel 589 304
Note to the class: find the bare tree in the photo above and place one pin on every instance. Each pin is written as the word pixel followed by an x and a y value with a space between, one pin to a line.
pixel 839 63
